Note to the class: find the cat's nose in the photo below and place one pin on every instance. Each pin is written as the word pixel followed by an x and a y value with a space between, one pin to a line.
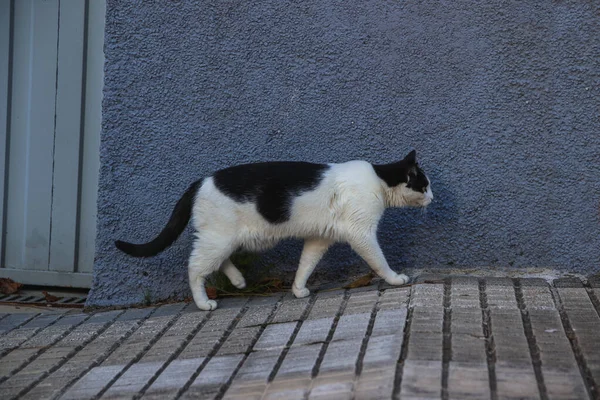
pixel 429 195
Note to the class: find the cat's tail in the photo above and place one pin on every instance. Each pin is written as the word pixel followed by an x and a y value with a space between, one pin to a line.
pixel 179 219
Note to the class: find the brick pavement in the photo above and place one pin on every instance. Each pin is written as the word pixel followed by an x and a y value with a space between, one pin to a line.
pixel 440 338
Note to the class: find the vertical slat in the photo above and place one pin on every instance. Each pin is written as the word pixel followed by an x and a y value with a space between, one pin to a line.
pixel 91 140
pixel 5 29
pixel 32 134
pixel 15 201
pixel 65 191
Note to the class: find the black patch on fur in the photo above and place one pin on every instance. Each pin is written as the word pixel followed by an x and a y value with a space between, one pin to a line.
pixel 405 171
pixel 179 219
pixel 271 185
pixel 417 180
pixel 392 174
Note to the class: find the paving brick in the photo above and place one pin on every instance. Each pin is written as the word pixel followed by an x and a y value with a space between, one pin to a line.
pixel 389 322
pixel 55 356
pixel 299 362
pixel 239 341
pixel 258 366
pixel 332 386
pixel 291 310
pixel 492 282
pixel 464 293
pixel 425 346
pixel 394 299
pixel 340 357
pixel 468 381
pixel 171 310
pixel 382 351
pixel 469 281
pixel 429 279
pixel 564 386
pixel 133 380
pixel 13 321
pixel 210 334
pixel 17 337
pixel 74 349
pixel 40 340
pixel 427 319
pixel 234 303
pixel 92 354
pixel 313 331
pixel 567 283
pixel 585 323
pixel 516 383
pixel 275 336
pixel 287 389
pixel 173 378
pixel 421 379
pixel 326 306
pixel 361 303
pixel 255 316
pixel 136 343
pixel 353 326
pixel 426 295
pixel 537 297
pixel 213 377
pixel 91 384
pixel 196 348
pixel 467 337
pixel 501 297
pixel 337 391
pixel 375 384
pixel 292 379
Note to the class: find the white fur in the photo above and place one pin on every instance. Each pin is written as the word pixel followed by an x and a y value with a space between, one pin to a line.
pixel 345 207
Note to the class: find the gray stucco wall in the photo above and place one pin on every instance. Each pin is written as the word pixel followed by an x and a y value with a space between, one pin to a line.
pixel 500 99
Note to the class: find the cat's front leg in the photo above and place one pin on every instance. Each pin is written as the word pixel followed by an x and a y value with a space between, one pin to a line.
pixel 311 254
pixel 368 248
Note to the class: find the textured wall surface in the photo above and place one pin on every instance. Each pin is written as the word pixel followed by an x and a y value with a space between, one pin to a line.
pixel 500 99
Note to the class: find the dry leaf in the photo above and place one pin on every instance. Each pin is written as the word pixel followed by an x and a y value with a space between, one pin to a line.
pixel 360 282
pixel 8 286
pixel 49 298
pixel 211 292
pixel 274 283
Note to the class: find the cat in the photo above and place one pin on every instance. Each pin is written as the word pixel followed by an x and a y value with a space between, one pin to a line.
pixel 253 206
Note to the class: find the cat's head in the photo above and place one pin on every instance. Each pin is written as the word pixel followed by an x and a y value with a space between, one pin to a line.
pixel 407 184
pixel 417 190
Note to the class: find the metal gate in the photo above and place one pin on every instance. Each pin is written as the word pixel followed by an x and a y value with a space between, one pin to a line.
pixel 51 74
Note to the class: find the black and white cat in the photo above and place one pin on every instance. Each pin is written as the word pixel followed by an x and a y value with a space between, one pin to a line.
pixel 254 206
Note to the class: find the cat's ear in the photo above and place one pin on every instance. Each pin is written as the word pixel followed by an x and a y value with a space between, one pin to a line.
pixel 411 158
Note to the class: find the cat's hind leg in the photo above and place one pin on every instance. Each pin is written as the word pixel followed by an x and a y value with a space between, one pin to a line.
pixel 368 248
pixel 311 254
pixel 234 274
pixel 205 259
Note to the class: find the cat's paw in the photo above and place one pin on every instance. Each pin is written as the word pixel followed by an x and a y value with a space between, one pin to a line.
pixel 300 293
pixel 398 279
pixel 208 305
pixel 239 283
